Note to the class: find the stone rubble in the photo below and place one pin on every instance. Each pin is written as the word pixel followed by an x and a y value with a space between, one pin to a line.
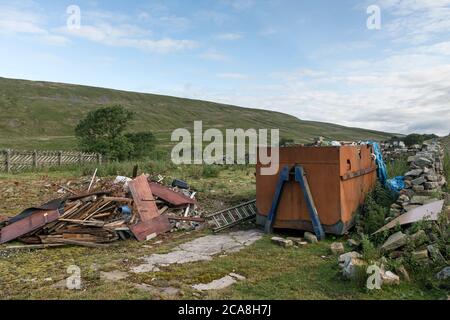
pixel 424 180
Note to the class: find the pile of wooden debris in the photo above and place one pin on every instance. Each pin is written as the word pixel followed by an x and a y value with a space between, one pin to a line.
pixel 122 209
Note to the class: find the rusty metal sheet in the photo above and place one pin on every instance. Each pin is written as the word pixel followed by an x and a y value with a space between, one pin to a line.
pixel 358 173
pixel 428 211
pixel 33 221
pixel 155 226
pixel 143 198
pixel 336 199
pixel 172 197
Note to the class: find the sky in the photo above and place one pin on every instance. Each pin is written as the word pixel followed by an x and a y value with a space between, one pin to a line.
pixel 316 60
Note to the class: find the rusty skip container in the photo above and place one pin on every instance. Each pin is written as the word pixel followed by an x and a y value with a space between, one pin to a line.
pixel 339 179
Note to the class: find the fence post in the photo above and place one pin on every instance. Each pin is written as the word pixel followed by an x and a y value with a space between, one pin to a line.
pixel 99 158
pixel 8 160
pixel 35 157
pixel 59 158
pixel 80 157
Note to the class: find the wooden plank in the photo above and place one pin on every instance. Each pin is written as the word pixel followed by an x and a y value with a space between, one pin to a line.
pixel 34 246
pixel 140 189
pixel 118 199
pixel 81 243
pixel 155 226
pixel 194 219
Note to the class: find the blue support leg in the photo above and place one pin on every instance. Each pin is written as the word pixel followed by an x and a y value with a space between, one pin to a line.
pixel 284 176
pixel 301 178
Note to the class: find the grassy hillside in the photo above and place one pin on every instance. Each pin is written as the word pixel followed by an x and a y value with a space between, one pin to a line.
pixel 42 115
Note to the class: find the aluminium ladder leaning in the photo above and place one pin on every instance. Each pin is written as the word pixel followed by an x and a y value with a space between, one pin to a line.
pixel 229 217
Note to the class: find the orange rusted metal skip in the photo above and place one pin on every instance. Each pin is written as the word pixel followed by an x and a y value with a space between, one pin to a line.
pixel 339 179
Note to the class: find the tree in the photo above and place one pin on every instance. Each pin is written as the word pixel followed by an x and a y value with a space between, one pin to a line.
pixel 102 131
pixel 416 138
pixel 142 143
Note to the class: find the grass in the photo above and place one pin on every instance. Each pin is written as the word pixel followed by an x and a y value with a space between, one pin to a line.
pixel 272 272
pixel 447 169
pixel 42 115
pixel 397 167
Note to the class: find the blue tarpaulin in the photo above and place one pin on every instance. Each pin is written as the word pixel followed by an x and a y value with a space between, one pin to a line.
pixel 395 184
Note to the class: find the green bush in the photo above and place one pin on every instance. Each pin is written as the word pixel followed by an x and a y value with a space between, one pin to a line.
pixel 415 138
pixel 103 131
pixel 369 252
pixel 142 144
pixel 373 212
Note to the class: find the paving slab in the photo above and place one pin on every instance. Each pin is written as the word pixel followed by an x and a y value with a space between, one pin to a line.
pixel 200 249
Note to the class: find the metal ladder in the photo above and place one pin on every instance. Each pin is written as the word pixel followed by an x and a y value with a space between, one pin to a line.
pixel 229 217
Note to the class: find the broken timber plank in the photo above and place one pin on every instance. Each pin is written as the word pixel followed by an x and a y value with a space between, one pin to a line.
pixel 34 246
pixel 140 189
pixel 194 219
pixel 144 229
pixel 80 243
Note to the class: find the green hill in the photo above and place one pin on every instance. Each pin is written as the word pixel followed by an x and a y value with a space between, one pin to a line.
pixel 42 115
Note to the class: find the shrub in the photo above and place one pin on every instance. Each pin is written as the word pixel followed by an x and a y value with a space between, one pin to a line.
pixel 369 252
pixel 142 144
pixel 374 211
pixel 103 131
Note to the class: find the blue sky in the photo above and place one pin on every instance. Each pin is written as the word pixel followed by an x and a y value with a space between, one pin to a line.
pixel 316 60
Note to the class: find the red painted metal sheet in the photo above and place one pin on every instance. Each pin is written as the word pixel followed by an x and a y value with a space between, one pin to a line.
pixel 143 198
pixel 155 226
pixel 174 198
pixel 36 220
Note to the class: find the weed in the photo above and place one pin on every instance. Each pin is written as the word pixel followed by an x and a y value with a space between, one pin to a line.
pixel 397 167
pixel 369 252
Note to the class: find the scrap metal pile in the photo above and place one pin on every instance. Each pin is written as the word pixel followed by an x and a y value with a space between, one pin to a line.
pixel 126 208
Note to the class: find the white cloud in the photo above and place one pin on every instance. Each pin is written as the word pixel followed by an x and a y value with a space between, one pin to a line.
pixel 117 30
pixel 233 76
pixel 240 4
pixel 26 19
pixel 214 55
pixel 268 32
pixel 230 36
pixel 416 21
pixel 215 17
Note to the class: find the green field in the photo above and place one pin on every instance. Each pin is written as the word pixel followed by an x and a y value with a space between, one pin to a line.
pixel 42 115
pixel 271 272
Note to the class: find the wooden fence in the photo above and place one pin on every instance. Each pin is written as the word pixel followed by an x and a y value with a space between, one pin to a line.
pixel 15 160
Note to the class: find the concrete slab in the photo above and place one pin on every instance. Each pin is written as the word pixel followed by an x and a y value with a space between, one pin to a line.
pixel 201 249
